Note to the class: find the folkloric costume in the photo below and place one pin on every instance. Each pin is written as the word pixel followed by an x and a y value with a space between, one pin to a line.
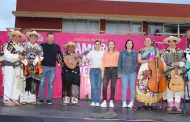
pixel 170 56
pixel 143 94
pixel 13 73
pixel 2 58
pixel 34 55
pixel 187 78
pixel 70 79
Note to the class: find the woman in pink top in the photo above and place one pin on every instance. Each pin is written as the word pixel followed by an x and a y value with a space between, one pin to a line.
pixel 109 65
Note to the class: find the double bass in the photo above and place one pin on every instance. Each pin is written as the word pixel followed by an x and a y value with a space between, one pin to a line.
pixel 157 82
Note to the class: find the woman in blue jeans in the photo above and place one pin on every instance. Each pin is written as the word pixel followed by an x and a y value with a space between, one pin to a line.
pixel 95 58
pixel 127 71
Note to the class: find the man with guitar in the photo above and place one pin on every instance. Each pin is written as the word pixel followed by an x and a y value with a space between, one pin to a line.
pixel 173 58
pixel 71 74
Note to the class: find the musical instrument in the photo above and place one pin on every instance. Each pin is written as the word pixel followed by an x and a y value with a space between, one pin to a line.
pixel 60 59
pixel 176 83
pixel 1 56
pixel 157 82
pixel 38 68
pixel 71 61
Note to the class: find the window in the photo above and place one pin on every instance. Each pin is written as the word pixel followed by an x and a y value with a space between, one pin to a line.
pixel 171 28
pixel 154 28
pixel 80 26
pixel 184 28
pixel 123 27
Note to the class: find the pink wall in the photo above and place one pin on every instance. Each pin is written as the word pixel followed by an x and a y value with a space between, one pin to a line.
pixel 85 41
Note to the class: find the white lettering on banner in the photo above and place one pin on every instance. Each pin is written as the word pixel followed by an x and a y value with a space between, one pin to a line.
pixel 82 47
pixel 84 70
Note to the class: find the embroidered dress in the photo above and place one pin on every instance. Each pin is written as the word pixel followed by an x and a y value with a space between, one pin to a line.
pixel 143 94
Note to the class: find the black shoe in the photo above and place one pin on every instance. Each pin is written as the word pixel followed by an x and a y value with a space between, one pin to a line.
pixel 187 101
pixel 40 102
pixel 49 102
pixel 145 107
pixel 150 107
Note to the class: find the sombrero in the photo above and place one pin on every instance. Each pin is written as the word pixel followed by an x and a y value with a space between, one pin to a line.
pixel 69 44
pixel 178 40
pixel 28 34
pixel 11 33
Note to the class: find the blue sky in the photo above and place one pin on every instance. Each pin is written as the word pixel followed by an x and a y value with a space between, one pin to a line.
pixel 7 19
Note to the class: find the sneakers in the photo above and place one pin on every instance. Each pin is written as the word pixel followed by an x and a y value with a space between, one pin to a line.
pixel 92 104
pixel 49 102
pixel 66 100
pixel 74 100
pixel 104 104
pixel 124 105
pixel 97 104
pixel 111 104
pixel 130 104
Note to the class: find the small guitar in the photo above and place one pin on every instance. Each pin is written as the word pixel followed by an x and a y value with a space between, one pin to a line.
pixel 71 61
pixel 176 83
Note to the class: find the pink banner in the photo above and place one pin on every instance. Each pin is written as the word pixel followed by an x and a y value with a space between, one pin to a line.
pixel 85 41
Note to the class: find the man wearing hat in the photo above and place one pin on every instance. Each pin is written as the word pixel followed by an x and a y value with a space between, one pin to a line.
pixel 173 58
pixel 34 55
pixel 71 75
pixel 51 53
pixel 13 76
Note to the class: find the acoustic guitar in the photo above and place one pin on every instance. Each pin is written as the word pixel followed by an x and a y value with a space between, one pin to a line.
pixel 176 83
pixel 71 61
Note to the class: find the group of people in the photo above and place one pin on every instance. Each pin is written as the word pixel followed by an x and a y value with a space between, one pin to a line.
pixel 27 67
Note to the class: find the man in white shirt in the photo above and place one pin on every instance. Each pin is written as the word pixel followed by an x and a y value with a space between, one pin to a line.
pixel 13 76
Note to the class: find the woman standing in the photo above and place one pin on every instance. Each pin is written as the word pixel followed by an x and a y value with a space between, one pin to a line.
pixel 109 67
pixel 127 71
pixel 143 94
pixel 95 58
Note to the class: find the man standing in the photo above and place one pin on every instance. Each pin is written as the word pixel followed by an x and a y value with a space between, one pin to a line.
pixel 13 76
pixel 173 58
pixel 71 74
pixel 51 51
pixel 34 55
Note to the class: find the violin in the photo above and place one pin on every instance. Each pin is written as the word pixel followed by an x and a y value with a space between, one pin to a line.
pixel 38 68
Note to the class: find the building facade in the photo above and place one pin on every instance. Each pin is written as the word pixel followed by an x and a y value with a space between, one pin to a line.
pixel 102 16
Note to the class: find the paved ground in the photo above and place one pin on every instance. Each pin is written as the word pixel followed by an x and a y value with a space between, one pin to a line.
pixel 86 112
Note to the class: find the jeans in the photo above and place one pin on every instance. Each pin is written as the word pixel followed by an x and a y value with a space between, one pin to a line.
pixel 109 73
pixel 75 90
pixel 125 79
pixel 48 74
pixel 95 80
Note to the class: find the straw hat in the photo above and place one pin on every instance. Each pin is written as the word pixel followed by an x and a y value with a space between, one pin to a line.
pixel 178 40
pixel 28 34
pixel 69 44
pixel 11 33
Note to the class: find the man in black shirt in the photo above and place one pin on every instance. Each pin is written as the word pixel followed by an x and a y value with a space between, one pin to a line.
pixel 51 50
